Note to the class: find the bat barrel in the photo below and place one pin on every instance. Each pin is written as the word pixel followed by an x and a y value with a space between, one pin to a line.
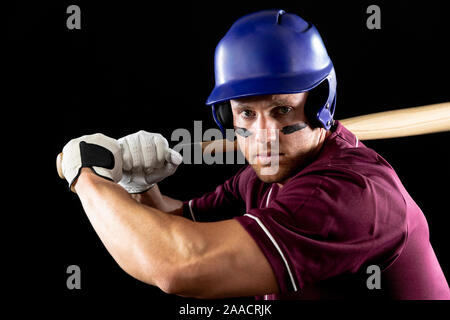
pixel 401 123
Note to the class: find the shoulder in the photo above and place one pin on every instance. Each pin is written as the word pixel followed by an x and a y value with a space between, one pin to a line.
pixel 351 177
pixel 349 161
pixel 350 192
pixel 342 206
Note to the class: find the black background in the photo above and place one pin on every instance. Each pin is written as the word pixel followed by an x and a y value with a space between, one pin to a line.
pixel 150 67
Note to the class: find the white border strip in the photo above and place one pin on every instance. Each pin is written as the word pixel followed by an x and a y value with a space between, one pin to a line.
pixel 356 144
pixel 268 196
pixel 190 209
pixel 276 246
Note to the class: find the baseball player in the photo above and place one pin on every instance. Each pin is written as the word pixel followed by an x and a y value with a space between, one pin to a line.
pixel 330 211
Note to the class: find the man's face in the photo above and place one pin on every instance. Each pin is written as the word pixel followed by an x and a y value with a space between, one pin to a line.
pixel 274 134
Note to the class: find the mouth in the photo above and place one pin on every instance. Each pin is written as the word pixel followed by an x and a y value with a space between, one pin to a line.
pixel 267 158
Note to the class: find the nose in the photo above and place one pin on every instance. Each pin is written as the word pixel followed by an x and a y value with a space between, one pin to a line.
pixel 266 130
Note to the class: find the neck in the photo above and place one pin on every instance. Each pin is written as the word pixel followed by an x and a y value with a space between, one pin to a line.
pixel 321 140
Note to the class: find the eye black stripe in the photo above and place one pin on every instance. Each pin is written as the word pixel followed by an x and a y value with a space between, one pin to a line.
pixel 293 128
pixel 243 132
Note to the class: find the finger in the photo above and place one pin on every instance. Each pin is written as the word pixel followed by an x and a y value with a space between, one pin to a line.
pixel 162 148
pixel 174 157
pixel 170 169
pixel 147 151
pixel 126 155
pixel 159 174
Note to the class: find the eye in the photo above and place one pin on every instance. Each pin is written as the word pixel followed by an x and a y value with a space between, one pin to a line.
pixel 282 110
pixel 285 109
pixel 247 114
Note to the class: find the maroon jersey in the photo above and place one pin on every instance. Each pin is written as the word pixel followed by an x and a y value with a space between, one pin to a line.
pixel 345 211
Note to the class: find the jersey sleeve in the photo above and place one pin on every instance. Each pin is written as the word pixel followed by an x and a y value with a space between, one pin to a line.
pixel 225 202
pixel 323 225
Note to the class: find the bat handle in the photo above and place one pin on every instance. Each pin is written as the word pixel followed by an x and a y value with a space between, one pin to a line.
pixel 59 165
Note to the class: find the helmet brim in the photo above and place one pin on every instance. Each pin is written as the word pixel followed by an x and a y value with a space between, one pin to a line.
pixel 267 85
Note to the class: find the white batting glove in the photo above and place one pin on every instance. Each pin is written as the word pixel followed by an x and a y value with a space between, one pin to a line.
pixel 147 159
pixel 96 151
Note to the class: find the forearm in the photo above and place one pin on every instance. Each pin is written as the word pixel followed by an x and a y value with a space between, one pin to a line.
pixel 155 199
pixel 138 237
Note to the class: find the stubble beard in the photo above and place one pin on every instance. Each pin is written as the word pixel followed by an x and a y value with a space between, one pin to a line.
pixel 285 169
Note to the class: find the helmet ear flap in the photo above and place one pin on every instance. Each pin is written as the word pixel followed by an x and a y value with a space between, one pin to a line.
pixel 223 115
pixel 315 101
pixel 320 104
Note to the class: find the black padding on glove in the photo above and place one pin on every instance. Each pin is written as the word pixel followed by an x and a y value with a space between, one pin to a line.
pixel 93 155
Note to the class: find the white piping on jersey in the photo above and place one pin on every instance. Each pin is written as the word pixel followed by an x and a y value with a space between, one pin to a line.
pixel 263 227
pixel 267 204
pixel 356 144
pixel 268 196
pixel 190 209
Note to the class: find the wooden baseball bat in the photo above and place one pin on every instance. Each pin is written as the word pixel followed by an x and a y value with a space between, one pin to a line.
pixel 382 125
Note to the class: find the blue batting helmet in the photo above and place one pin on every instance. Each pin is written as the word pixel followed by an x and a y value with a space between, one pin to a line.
pixel 271 52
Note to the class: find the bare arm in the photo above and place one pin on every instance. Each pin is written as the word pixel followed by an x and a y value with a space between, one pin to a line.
pixel 155 199
pixel 205 260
